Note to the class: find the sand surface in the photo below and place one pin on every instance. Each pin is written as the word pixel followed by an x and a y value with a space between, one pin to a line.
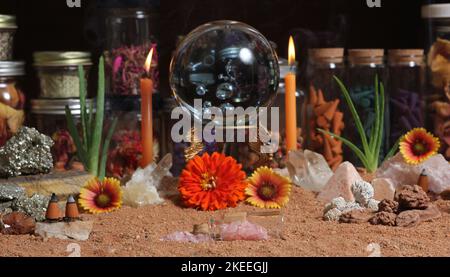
pixel 137 232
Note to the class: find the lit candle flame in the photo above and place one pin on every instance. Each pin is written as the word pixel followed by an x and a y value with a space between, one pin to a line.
pixel 148 62
pixel 291 52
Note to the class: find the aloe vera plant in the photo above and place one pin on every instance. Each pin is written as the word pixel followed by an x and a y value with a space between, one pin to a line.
pixel 371 147
pixel 91 152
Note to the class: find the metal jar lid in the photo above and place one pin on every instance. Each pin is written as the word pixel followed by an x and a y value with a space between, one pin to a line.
pixel 62 58
pixel 7 22
pixel 11 69
pixel 58 106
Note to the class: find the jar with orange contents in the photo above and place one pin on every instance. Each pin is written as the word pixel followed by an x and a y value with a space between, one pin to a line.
pixel 12 99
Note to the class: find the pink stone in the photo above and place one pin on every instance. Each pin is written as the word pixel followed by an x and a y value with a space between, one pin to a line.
pixel 187 237
pixel 384 189
pixel 340 185
pixel 243 231
pixel 401 173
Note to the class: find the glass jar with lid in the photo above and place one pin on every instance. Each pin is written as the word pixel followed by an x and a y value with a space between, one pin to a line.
pixel 363 66
pixel 48 117
pixel 324 104
pixel 8 29
pixel 58 73
pixel 12 99
pixel 407 80
pixel 129 38
pixel 437 18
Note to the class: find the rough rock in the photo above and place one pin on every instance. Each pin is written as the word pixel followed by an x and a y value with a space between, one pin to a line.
pixel 309 170
pixel 332 215
pixel 363 192
pixel 337 203
pixel 356 216
pixel 384 189
pixel 373 205
pixel 34 206
pixel 341 183
pixel 142 189
pixel 388 206
pixel 17 223
pixel 445 195
pixel 408 219
pixel 77 230
pixel 384 218
pixel 28 152
pixel 412 197
pixel 401 173
pixel 431 213
pixel 10 192
pixel 245 231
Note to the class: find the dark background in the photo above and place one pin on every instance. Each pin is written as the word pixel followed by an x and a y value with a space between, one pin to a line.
pixel 51 25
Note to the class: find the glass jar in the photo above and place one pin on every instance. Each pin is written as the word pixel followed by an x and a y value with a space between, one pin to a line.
pixel 48 117
pixel 438 44
pixel 8 29
pixel 407 80
pixel 125 151
pixel 324 108
pixel 12 99
pixel 364 66
pixel 58 73
pixel 129 40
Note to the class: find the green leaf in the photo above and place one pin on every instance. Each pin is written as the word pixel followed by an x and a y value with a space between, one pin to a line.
pixel 376 129
pixel 83 93
pixel 90 125
pixel 355 115
pixel 94 152
pixel 106 144
pixel 81 151
pixel 381 131
pixel 353 147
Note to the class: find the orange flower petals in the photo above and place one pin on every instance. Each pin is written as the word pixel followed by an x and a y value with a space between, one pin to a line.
pixel 418 145
pixel 101 197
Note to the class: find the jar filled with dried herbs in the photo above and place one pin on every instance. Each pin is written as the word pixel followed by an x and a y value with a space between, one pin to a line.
pixel 48 117
pixel 8 29
pixel 130 34
pixel 58 73
pixel 437 18
pixel 12 99
pixel 407 78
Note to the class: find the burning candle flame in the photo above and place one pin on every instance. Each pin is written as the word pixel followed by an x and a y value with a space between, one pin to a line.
pixel 148 62
pixel 291 52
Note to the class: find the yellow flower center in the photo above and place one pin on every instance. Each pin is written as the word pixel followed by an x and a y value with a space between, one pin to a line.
pixel 103 200
pixel 419 148
pixel 208 182
pixel 267 191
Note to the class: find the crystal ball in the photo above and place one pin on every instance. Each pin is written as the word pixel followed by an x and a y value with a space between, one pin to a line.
pixel 225 64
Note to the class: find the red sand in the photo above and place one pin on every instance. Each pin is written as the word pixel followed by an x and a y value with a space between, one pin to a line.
pixel 136 232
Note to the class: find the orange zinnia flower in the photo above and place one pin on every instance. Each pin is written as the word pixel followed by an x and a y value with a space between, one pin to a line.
pixel 212 182
pixel 101 196
pixel 418 146
pixel 268 189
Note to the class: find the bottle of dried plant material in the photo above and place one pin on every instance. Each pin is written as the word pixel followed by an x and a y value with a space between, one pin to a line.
pixel 363 66
pixel 437 18
pixel 58 73
pixel 407 80
pixel 324 104
pixel 8 29
pixel 130 34
pixel 12 99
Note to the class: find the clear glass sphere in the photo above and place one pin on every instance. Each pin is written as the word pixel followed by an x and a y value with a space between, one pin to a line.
pixel 226 64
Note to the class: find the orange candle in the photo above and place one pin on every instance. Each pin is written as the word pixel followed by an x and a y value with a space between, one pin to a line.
pixel 291 109
pixel 146 112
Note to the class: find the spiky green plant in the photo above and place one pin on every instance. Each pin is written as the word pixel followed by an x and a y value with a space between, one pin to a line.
pixel 371 147
pixel 89 143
